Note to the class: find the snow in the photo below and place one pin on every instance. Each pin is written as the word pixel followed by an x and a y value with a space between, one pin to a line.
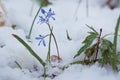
pixel 66 19
pixel 80 72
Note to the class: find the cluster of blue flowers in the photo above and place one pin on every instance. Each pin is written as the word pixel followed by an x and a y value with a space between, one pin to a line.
pixel 44 19
pixel 47 16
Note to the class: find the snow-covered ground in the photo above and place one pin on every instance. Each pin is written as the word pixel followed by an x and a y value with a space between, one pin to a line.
pixel 67 18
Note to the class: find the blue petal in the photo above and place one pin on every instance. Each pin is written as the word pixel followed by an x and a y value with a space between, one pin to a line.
pixel 40 16
pixel 50 10
pixel 44 44
pixel 41 36
pixel 41 20
pixel 52 13
pixel 53 18
pixel 37 38
pixel 39 42
pixel 43 11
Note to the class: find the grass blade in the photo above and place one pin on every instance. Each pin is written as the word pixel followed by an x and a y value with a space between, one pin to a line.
pixel 116 33
pixel 30 49
pixel 18 64
pixel 92 29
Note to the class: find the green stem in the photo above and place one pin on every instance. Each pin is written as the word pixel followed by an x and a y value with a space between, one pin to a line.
pixel 116 34
pixel 49 47
pixel 44 73
pixel 54 39
pixel 98 43
pixel 29 35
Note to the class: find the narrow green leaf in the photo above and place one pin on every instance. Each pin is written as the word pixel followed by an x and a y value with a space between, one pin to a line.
pixel 30 49
pixel 89 39
pixel 116 33
pixel 106 45
pixel 92 29
pixel 84 62
pixel 83 48
pixel 77 62
pixel 18 65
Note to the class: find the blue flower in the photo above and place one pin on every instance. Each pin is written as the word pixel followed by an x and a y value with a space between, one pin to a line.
pixel 41 19
pixel 47 16
pixel 41 40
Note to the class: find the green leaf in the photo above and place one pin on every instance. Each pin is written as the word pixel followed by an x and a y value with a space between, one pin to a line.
pixel 116 33
pixel 92 29
pixel 77 62
pixel 30 50
pixel 83 48
pixel 89 39
pixel 108 54
pixel 18 64
pixel 87 42
pixel 107 46
pixel 84 62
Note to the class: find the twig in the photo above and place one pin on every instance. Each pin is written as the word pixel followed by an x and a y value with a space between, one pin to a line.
pixel 98 42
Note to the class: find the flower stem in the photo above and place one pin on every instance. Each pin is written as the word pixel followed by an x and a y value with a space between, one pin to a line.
pixel 44 72
pixel 54 40
pixel 29 35
pixel 49 47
